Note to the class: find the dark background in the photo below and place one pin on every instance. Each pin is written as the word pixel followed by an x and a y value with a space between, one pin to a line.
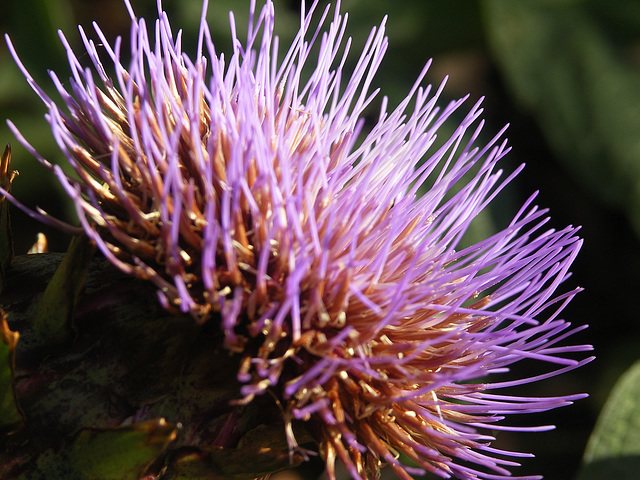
pixel 564 74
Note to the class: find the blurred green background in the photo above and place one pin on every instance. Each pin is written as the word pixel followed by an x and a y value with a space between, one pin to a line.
pixel 564 73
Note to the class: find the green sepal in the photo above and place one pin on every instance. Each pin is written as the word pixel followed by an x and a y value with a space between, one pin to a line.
pixel 6 238
pixel 53 316
pixel 129 357
pixel 119 453
pixel 10 414
pixel 613 450
pixel 192 463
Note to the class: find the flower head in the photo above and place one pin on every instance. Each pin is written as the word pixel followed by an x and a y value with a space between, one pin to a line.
pixel 248 192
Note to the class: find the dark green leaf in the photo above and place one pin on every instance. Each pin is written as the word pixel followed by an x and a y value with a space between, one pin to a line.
pixel 614 447
pixel 581 83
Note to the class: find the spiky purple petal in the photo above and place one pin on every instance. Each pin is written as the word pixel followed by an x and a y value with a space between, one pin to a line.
pixel 249 194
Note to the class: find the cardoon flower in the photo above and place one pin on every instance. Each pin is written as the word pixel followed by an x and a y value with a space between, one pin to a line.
pixel 248 190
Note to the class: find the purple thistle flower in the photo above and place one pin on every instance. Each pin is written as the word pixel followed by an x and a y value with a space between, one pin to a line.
pixel 249 194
